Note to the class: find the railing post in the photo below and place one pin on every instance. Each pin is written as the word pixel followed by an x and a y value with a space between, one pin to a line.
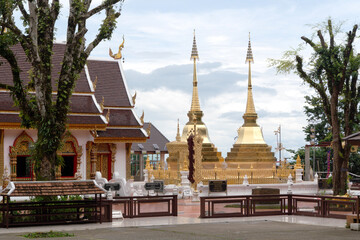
pixel 247 206
pixel 174 206
pixel 131 207
pixel 322 208
pixel 202 207
pixel 289 204
pixel 357 208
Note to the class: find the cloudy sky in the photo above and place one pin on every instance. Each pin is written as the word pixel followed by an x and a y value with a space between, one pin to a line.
pixel 158 40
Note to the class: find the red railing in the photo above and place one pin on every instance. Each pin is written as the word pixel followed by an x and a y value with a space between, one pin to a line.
pixel 146 206
pixel 284 204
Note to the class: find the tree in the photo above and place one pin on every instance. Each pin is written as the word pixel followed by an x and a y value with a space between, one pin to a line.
pixel 36 37
pixel 332 71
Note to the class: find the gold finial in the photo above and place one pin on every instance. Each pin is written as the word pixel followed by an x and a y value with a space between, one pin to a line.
pixel 108 116
pixel 117 55
pixel 195 103
pixel 134 98
pixel 142 118
pixel 102 104
pixel 249 55
pixel 194 51
pixel 148 130
pixel 178 137
pixel 95 82
pixel 250 115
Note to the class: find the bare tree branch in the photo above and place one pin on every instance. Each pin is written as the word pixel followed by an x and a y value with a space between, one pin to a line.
pixel 323 43
pixel 22 10
pixel 101 7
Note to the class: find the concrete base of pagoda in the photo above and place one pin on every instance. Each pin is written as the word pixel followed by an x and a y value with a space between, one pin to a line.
pixel 250 153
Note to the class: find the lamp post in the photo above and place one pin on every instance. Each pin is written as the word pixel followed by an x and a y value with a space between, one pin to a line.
pixel 278 142
pixel 312 142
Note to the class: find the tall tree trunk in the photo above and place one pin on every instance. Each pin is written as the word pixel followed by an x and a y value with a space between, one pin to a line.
pixel 338 160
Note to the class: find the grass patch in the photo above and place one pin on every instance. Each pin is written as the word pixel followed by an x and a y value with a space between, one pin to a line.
pixel 50 234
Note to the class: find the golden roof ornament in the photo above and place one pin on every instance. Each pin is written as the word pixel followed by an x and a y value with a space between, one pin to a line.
pixel 94 133
pixel 148 130
pixel 118 54
pixel 142 118
pixel 108 116
pixel 134 98
pixel 95 82
pixel 102 104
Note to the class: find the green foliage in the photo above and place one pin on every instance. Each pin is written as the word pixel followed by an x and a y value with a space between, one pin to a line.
pixel 36 36
pixel 50 234
pixel 332 71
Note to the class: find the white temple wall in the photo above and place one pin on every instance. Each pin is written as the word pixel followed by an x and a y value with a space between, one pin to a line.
pixel 82 136
pixel 120 160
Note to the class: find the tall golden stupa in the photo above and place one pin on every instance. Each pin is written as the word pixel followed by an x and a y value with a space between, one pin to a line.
pixel 209 152
pixel 250 145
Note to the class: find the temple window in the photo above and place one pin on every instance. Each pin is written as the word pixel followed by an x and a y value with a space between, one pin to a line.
pixel 71 153
pixel 24 167
pixel 20 162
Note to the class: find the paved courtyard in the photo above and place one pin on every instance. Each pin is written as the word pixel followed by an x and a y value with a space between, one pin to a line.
pixel 188 226
pixel 242 230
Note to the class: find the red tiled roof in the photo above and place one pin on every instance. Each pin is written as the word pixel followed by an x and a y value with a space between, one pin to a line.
pixel 79 119
pixel 52 188
pixel 110 84
pixel 122 133
pixel 156 137
pixel 57 58
pixel 122 117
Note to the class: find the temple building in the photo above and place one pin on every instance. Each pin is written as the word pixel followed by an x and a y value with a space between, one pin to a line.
pixel 209 152
pixel 153 151
pixel 250 146
pixel 102 124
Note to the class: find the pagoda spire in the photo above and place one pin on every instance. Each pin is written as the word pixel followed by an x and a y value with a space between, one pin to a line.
pixel 195 103
pixel 178 137
pixel 250 115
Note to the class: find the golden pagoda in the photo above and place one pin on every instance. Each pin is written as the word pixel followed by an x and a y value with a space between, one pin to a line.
pixel 250 145
pixel 209 152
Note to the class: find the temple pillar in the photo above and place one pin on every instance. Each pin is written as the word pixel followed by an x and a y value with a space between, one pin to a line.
pixel 13 167
pixel 128 160
pixel 93 159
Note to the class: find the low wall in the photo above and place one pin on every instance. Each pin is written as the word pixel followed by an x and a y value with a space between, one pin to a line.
pixel 306 187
